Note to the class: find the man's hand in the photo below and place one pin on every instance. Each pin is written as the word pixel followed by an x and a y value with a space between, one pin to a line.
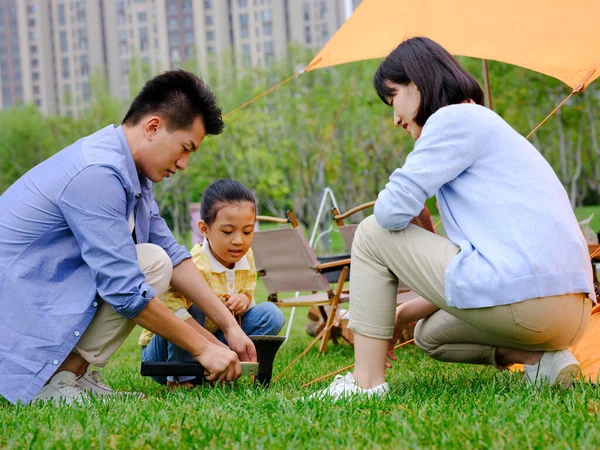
pixel 237 304
pixel 222 364
pixel 241 344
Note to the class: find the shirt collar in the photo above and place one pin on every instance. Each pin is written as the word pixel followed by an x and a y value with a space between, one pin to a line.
pixel 138 181
pixel 217 267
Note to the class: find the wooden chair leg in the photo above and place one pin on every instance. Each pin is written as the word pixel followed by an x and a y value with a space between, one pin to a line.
pixel 334 306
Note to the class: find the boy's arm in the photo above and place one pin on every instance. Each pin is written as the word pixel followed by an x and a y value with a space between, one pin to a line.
pixel 188 280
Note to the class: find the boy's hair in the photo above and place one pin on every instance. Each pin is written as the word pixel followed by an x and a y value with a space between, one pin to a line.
pixel 220 193
pixel 178 97
pixel 439 78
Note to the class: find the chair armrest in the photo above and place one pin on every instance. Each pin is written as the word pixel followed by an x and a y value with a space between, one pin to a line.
pixel 333 265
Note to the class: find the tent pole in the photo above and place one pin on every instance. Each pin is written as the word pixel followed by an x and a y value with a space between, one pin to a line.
pixel 488 90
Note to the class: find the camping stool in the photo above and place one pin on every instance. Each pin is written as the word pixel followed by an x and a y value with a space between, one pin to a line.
pixel 266 349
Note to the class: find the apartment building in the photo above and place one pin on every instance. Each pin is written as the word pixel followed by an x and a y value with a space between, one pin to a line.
pixel 49 49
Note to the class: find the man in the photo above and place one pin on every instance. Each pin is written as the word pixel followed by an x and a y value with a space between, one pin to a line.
pixel 85 253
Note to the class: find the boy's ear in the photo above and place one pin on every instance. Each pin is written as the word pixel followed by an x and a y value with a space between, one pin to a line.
pixel 203 228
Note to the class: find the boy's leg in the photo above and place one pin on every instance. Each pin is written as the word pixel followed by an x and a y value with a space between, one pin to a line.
pixel 264 319
pixel 156 351
pixel 108 329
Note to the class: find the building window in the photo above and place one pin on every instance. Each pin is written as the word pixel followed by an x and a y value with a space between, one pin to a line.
pixel 210 50
pixel 188 22
pixel 144 41
pixel 210 35
pixel 208 4
pixel 306 11
pixel 63 41
pixel 209 20
pixel 242 3
pixel 142 17
pixel 173 38
pixel 65 68
pixel 244 33
pixel 189 52
pixel 85 67
pixel 269 54
pixel 189 37
pixel 307 35
pixel 172 24
pixel 246 55
pixel 175 56
pixel 187 5
pixel 172 7
pixel 61 14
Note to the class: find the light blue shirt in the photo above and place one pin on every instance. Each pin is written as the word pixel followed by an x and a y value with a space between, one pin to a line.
pixel 65 243
pixel 500 202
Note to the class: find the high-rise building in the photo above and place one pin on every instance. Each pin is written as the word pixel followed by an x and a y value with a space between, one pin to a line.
pixel 49 49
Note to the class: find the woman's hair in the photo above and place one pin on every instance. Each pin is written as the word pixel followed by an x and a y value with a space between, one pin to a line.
pixel 221 193
pixel 439 78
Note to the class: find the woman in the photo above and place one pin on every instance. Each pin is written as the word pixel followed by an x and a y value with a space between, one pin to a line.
pixel 511 284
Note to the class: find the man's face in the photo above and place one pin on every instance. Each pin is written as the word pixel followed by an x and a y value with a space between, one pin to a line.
pixel 166 152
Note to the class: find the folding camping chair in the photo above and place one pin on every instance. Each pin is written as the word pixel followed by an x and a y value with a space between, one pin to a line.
pixel 286 263
pixel 348 230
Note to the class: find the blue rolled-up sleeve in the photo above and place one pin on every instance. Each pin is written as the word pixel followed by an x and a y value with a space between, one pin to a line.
pixel 98 219
pixel 161 235
pixel 447 147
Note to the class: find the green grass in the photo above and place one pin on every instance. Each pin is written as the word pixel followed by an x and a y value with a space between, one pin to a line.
pixel 432 405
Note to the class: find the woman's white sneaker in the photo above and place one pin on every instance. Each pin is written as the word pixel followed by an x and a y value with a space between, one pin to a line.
pixel 346 386
pixel 62 388
pixel 554 368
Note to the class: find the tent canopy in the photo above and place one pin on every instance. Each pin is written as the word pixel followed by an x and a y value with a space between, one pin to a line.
pixel 556 38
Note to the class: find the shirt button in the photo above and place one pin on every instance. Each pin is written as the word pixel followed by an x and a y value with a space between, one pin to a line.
pixel 447 271
pixel 77 333
pixel 95 304
pixel 55 362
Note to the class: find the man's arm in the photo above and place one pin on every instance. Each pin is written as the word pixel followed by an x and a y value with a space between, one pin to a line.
pixel 221 363
pixel 188 281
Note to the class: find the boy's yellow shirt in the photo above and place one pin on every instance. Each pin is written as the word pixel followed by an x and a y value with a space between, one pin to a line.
pixel 239 280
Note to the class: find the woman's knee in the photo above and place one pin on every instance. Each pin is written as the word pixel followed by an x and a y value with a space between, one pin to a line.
pixel 156 265
pixel 424 339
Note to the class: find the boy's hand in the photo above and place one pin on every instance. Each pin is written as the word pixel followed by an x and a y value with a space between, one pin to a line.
pixel 237 304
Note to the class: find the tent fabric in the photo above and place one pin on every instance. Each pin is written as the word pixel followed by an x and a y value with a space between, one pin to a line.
pixel 586 350
pixel 557 38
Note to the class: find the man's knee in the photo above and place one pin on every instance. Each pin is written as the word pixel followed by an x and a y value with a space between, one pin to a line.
pixel 155 265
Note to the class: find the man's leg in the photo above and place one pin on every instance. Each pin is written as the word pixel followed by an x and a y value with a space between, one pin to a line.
pixel 108 329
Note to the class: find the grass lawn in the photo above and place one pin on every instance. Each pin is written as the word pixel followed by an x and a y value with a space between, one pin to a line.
pixel 433 405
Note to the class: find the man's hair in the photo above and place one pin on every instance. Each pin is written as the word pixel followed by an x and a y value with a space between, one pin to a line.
pixel 439 78
pixel 178 97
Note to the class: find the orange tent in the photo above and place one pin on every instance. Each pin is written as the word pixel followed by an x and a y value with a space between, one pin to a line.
pixel 556 38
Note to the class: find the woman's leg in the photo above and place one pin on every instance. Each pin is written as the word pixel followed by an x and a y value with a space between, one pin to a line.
pixel 379 258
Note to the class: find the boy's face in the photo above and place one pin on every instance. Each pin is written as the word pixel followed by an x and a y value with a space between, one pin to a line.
pixel 165 151
pixel 231 234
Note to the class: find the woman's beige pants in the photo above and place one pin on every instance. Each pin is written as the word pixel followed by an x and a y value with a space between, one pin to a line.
pixel 108 329
pixel 419 258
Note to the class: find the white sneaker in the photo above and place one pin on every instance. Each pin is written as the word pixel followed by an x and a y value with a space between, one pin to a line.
pixel 345 386
pixel 93 381
pixel 554 368
pixel 62 388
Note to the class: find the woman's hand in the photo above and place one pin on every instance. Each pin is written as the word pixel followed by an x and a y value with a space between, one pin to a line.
pixel 399 325
pixel 237 304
